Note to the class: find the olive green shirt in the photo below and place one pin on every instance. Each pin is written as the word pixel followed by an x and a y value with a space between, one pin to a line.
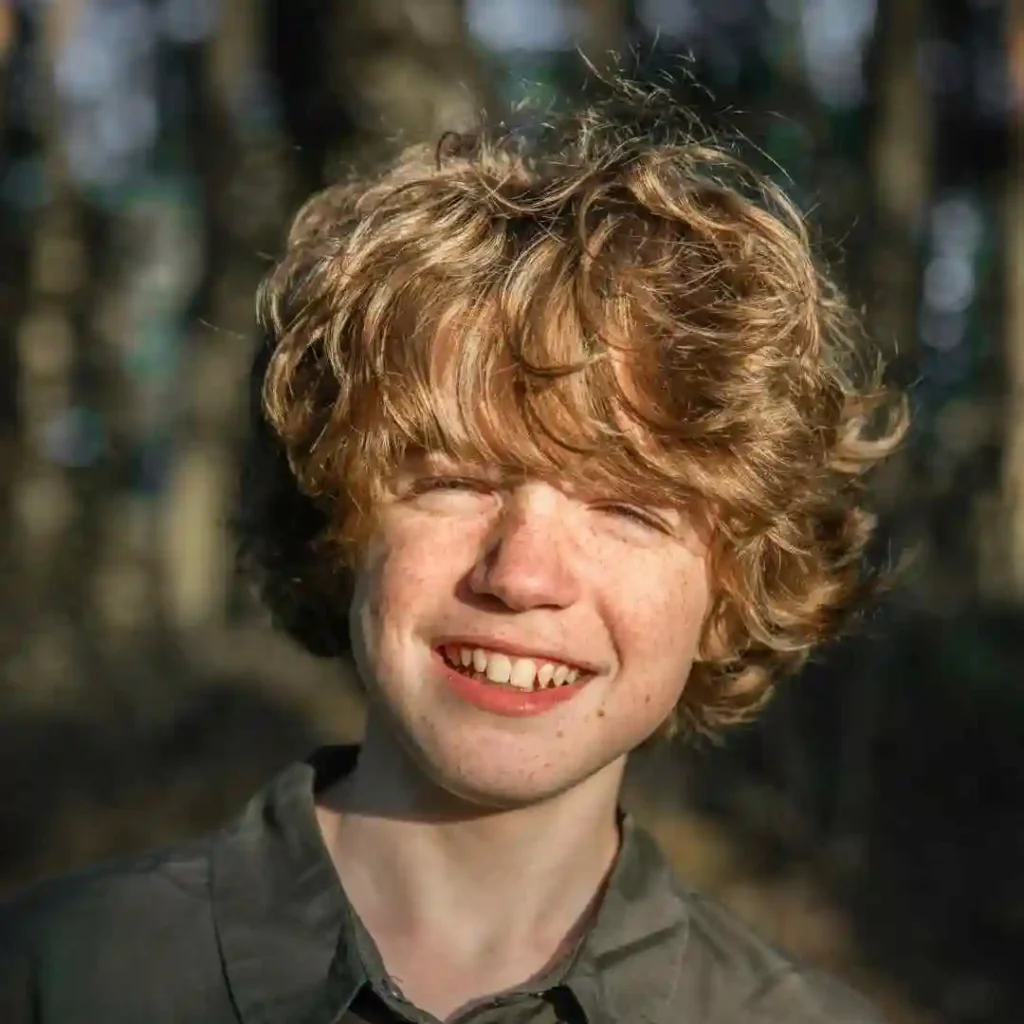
pixel 251 926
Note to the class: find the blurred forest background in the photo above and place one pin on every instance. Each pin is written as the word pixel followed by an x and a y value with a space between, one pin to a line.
pixel 152 150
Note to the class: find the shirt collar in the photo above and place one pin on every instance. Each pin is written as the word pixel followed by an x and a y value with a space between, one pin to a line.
pixel 630 962
pixel 288 937
pixel 278 906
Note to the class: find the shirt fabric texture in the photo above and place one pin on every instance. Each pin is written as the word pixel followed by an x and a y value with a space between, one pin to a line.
pixel 250 925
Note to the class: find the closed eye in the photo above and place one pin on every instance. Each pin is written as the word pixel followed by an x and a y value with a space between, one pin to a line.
pixel 638 515
pixel 449 483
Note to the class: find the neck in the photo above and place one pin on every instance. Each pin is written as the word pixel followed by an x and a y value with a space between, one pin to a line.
pixel 418 862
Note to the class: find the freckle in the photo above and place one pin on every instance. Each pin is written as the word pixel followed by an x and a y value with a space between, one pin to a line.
pixel 647 699
pixel 600 712
pixel 560 734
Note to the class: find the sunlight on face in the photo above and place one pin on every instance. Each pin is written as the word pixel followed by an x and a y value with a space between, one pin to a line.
pixel 520 564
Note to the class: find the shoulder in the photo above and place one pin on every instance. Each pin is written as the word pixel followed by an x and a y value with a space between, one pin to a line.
pixel 746 980
pixel 121 897
pixel 94 937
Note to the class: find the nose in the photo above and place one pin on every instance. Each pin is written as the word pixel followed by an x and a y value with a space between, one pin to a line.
pixel 527 561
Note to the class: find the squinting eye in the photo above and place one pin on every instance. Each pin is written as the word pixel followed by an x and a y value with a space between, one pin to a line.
pixel 448 483
pixel 638 515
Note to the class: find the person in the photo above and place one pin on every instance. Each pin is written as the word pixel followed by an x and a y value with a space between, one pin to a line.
pixel 562 433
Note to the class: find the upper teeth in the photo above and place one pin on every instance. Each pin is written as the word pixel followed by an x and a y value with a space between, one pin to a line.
pixel 523 673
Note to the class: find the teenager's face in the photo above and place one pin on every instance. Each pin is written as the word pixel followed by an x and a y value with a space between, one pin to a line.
pixel 520 572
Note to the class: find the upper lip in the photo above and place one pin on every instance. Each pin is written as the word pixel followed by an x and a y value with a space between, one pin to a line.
pixel 489 643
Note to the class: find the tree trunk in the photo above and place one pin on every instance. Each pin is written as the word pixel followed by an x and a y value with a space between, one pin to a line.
pixel 901 171
pixel 901 167
pixel 609 28
pixel 15 147
pixel 361 77
pixel 1012 557
pixel 242 213
pixel 47 495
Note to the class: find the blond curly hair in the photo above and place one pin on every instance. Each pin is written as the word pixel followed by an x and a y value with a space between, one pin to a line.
pixel 600 294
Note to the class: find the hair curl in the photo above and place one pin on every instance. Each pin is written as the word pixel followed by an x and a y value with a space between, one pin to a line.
pixel 604 293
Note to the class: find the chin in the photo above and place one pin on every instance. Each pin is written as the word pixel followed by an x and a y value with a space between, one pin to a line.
pixel 497 791
pixel 502 773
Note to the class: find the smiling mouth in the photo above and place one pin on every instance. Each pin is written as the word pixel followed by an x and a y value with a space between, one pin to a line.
pixel 526 675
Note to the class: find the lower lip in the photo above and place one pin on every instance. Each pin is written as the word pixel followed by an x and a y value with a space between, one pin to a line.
pixel 505 700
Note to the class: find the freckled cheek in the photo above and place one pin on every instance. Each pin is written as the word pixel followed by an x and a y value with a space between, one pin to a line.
pixel 658 628
pixel 413 569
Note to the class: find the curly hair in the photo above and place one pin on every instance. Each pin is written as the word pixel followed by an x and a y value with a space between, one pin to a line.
pixel 602 294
